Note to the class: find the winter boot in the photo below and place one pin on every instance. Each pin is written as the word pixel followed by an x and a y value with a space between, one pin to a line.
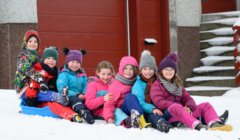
pixel 221 127
pixel 224 117
pixel 143 122
pixel 163 125
pixel 65 95
pixel 135 117
pixel 87 116
pixel 76 118
pixel 31 101
pixel 132 120
pixel 201 126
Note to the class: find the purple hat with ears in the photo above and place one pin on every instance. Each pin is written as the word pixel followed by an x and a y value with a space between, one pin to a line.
pixel 74 55
pixel 169 61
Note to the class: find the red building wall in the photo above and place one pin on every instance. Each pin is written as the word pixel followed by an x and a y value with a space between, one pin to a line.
pixel 99 26
pixel 215 6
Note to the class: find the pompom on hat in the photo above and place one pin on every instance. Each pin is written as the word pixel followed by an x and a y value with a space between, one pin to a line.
pixel 169 61
pixel 74 55
pixel 147 60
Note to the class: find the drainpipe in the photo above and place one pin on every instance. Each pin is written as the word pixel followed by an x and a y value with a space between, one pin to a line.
pixel 128 31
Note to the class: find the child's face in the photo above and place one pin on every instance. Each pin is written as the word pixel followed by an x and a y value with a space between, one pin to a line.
pixel 147 72
pixel 50 61
pixel 128 71
pixel 168 73
pixel 105 75
pixel 32 43
pixel 74 65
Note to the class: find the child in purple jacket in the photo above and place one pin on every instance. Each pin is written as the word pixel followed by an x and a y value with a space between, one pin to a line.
pixel 169 96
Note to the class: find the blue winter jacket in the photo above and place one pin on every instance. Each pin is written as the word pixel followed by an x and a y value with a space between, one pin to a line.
pixel 76 83
pixel 138 89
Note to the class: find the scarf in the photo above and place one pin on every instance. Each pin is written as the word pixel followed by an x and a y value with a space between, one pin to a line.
pixel 125 81
pixel 171 87
pixel 148 86
pixel 53 72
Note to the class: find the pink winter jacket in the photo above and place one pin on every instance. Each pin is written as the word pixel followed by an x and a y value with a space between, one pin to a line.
pixel 94 96
pixel 118 89
pixel 162 99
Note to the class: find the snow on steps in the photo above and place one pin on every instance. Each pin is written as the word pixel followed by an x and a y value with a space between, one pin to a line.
pixel 221 81
pixel 222 15
pixel 216 76
pixel 218 50
pixel 214 71
pixel 220 32
pixel 213 60
pixel 208 90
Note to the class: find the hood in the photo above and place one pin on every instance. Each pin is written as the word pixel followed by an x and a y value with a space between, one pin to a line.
pixel 28 33
pixel 125 61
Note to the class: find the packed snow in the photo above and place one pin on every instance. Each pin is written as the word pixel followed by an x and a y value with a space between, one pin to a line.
pixel 217 50
pixel 209 78
pixel 221 31
pixel 211 60
pixel 207 88
pixel 226 21
pixel 17 126
pixel 203 69
pixel 219 40
pixel 234 13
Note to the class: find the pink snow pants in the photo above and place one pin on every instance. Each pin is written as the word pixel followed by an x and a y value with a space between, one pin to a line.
pixel 205 110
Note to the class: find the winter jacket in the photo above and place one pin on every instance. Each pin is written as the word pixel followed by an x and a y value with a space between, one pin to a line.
pixel 118 90
pixel 162 99
pixel 48 74
pixel 95 92
pixel 76 82
pixel 138 89
pixel 25 69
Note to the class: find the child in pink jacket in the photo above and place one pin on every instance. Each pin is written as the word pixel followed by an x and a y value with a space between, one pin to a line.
pixel 97 89
pixel 123 102
pixel 169 96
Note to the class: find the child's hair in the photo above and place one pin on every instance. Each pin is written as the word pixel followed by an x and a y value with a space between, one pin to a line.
pixel 105 65
pixel 175 78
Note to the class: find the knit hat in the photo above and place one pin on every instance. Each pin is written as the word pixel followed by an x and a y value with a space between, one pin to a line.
pixel 74 55
pixel 28 35
pixel 51 51
pixel 147 61
pixel 169 61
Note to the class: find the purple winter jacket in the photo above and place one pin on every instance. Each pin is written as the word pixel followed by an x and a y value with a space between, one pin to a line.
pixel 162 99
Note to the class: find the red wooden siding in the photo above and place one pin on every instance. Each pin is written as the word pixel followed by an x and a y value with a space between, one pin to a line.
pixel 215 6
pixel 151 21
pixel 99 26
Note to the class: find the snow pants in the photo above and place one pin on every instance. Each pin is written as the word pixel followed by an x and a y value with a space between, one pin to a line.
pixel 59 110
pixel 76 103
pixel 154 119
pixel 130 102
pixel 49 96
pixel 176 112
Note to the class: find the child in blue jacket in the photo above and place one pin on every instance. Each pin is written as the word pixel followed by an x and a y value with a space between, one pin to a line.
pixel 141 89
pixel 74 77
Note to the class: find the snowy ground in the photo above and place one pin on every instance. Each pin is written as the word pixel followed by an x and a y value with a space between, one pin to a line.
pixel 16 126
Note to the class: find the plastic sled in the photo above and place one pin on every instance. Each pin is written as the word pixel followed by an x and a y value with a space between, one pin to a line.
pixel 44 111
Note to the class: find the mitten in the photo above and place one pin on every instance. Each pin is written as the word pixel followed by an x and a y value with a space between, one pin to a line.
pixel 43 86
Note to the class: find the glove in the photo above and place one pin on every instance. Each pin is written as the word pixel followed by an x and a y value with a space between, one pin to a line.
pixel 43 86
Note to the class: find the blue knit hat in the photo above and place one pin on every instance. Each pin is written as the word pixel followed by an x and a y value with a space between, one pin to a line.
pixel 169 61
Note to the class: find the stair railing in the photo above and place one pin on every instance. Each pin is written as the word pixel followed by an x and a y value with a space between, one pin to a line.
pixel 236 42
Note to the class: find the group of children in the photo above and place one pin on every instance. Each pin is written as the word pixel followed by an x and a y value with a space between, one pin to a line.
pixel 128 99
